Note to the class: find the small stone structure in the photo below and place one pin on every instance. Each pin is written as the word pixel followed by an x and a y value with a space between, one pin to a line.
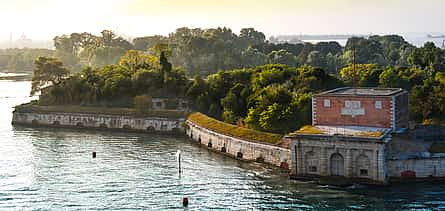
pixel 358 159
pixel 163 103
pixel 104 121
pixel 236 147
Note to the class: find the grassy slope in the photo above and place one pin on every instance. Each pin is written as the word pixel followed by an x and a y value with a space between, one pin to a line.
pixel 233 130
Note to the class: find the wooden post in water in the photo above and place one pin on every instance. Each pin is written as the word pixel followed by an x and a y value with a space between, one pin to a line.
pixel 178 156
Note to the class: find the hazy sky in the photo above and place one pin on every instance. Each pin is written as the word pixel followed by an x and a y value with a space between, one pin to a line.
pixel 43 19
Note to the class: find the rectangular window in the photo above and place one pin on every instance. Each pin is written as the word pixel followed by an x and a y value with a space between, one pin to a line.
pixel 378 104
pixel 313 168
pixel 327 103
pixel 352 104
pixel 363 172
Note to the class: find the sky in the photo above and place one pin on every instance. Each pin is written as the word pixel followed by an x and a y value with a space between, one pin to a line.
pixel 44 19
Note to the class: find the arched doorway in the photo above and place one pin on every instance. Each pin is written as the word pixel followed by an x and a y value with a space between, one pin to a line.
pixel 337 165
pixel 311 163
pixel 363 166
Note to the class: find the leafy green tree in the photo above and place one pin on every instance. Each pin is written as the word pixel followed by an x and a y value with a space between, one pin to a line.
pixel 282 57
pixel 278 110
pixel 401 77
pixel 367 75
pixel 48 71
pixel 426 56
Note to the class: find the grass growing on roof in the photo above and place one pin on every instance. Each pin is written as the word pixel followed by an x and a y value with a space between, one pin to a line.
pixel 309 129
pixel 233 130
pixel 375 134
pixel 100 110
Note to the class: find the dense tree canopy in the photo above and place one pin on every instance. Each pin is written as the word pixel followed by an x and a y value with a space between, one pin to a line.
pixel 239 78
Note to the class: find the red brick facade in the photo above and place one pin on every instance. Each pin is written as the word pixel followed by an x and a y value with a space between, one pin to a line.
pixel 361 110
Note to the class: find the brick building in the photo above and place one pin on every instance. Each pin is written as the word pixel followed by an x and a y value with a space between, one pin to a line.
pixel 349 135
pixel 370 107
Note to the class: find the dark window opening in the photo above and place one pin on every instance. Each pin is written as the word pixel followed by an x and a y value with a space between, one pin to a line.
pixel 363 172
pixel 313 168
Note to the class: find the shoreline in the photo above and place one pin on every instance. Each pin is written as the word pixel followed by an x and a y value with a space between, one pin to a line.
pixel 275 154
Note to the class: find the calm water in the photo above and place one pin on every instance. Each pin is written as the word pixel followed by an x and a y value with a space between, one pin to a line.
pixel 52 169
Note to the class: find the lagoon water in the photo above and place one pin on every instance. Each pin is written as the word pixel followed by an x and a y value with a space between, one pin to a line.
pixel 52 169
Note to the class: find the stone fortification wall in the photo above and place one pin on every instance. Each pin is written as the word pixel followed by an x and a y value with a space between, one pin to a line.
pixel 236 147
pixel 149 124
pixel 422 167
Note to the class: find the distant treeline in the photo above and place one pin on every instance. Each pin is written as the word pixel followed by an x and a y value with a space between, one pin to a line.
pixel 206 51
pixel 21 60
pixel 273 98
pixel 242 79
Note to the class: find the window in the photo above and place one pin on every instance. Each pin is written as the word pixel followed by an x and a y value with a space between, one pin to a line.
pixel 378 104
pixel 327 103
pixel 363 172
pixel 313 168
pixel 352 104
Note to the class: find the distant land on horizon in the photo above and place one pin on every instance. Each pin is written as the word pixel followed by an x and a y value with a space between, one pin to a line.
pixel 416 38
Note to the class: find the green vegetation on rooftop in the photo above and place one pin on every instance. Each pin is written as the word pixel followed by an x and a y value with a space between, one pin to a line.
pixel 100 110
pixel 233 130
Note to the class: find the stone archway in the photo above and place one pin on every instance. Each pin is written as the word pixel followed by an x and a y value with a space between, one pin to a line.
pixel 363 166
pixel 311 163
pixel 337 165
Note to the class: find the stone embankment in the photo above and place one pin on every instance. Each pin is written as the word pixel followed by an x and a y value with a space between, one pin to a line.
pixel 38 116
pixel 239 147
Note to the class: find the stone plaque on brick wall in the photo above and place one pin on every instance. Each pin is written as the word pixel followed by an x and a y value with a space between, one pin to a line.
pixel 352 108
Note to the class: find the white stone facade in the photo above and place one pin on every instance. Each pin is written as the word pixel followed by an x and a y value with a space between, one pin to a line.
pixel 99 121
pixel 329 156
pixel 242 149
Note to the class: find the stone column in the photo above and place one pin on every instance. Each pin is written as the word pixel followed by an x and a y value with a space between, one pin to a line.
pixel 323 162
pixel 382 164
pixel 348 163
pixel 375 165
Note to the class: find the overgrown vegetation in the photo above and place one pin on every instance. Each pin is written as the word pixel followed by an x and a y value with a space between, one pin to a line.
pixel 100 110
pixel 232 130
pixel 114 85
pixel 249 89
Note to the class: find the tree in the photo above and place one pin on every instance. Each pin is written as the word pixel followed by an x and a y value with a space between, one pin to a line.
pixel 278 110
pixel 134 60
pixel 47 72
pixel 367 75
pixel 282 57
pixel 426 56
pixel 401 77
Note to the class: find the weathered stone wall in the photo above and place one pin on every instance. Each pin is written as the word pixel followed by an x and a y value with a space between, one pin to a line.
pixel 339 156
pixel 428 167
pixel 99 121
pixel 239 148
